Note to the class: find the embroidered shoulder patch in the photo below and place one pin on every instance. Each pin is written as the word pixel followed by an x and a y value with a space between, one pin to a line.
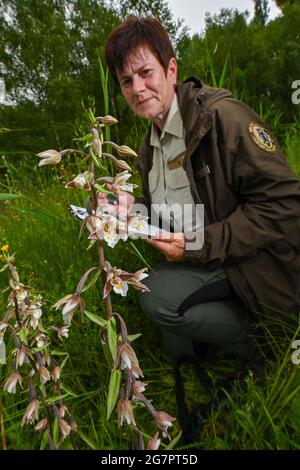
pixel 261 137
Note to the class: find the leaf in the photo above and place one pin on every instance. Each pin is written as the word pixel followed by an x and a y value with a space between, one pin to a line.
pixel 95 431
pixel 44 441
pixel 25 210
pixel 133 337
pixel 83 280
pixel 2 353
pixel 96 319
pixel 23 334
pixel 91 116
pixel 57 398
pixel 3 269
pixel 221 444
pixel 59 353
pixel 87 440
pixel 112 337
pixel 92 282
pixel 68 390
pixel 4 196
pixel 86 137
pixel 55 433
pixel 96 160
pixel 295 413
pixel 113 391
pixel 174 441
pixel 62 365
pixel 283 442
pixel 38 349
pixel 102 189
pixel 139 255
pixel 107 354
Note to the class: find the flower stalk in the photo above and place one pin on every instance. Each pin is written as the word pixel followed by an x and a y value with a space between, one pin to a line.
pixel 32 357
pixel 105 226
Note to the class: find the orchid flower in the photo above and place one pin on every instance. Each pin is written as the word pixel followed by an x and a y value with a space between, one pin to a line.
pixel 117 280
pixel 109 228
pixel 119 182
pixel 137 225
pixel 11 382
pixel 125 412
pixel 51 157
pixel 71 303
pixel 154 443
pixel 81 181
pixel 31 413
pixel 163 421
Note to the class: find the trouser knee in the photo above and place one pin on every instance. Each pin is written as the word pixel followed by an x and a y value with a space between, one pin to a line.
pixel 150 306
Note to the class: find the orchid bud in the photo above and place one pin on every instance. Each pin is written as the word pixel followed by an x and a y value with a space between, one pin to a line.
pixel 107 120
pixel 124 150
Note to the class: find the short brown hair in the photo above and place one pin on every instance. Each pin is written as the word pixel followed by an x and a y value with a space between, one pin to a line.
pixel 133 33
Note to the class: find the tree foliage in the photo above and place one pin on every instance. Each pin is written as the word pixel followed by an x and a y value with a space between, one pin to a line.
pixel 285 3
pixel 50 51
pixel 263 60
pixel 261 11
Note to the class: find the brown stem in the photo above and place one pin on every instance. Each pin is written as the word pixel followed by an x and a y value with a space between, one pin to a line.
pixel 111 157
pixel 128 383
pixel 141 445
pixel 2 429
pixel 17 312
pixel 100 248
pixel 43 397
pixel 64 152
pixel 50 439
pixel 101 256
pixel 46 409
pixel 123 327
pixel 141 399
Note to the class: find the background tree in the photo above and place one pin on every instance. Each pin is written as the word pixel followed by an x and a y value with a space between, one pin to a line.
pixel 261 11
pixel 50 52
pixel 260 62
pixel 285 3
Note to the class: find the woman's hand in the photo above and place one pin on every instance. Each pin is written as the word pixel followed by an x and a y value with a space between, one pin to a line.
pixel 119 208
pixel 171 245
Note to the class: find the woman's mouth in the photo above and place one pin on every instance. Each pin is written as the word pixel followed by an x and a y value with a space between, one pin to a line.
pixel 143 102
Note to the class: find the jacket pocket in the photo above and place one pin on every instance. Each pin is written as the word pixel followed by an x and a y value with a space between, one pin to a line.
pixel 177 179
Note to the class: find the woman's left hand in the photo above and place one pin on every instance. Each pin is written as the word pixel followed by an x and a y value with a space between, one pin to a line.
pixel 171 245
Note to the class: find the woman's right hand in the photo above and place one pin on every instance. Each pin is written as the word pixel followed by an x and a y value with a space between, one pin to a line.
pixel 119 208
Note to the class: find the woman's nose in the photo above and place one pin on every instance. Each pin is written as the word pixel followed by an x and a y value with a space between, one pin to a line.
pixel 138 85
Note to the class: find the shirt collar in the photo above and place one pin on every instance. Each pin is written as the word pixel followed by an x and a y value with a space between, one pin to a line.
pixel 173 125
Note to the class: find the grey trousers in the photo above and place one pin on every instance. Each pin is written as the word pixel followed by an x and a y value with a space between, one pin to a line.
pixel 191 303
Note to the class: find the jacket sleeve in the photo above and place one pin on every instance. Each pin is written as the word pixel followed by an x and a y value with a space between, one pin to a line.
pixel 268 195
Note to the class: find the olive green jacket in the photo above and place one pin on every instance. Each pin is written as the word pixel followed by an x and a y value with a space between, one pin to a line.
pixel 251 197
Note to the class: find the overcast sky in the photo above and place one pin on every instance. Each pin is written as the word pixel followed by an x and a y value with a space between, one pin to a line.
pixel 193 11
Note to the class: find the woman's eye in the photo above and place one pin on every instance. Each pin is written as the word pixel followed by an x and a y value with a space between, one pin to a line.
pixel 126 82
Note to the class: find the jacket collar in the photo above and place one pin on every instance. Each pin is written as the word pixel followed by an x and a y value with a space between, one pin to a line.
pixel 197 120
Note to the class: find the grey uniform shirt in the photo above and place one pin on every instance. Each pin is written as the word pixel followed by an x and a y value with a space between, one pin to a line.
pixel 168 184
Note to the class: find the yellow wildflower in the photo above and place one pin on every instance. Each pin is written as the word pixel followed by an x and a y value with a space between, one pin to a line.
pixel 4 247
